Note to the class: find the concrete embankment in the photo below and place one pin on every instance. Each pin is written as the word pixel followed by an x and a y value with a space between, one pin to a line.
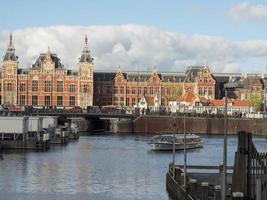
pixel 198 125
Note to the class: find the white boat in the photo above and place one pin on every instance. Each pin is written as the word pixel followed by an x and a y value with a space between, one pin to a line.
pixel 165 142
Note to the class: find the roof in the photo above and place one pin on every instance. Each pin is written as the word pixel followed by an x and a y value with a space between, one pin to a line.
pixel 241 103
pixel 192 73
pixel 235 102
pixel 104 76
pixel 10 53
pixel 53 56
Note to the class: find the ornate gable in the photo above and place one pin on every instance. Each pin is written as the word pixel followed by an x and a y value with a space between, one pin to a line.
pixel 119 76
pixel 154 77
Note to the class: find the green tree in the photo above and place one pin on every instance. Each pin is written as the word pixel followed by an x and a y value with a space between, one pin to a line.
pixel 255 101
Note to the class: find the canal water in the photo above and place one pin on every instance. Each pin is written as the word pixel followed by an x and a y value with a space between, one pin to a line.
pixel 103 167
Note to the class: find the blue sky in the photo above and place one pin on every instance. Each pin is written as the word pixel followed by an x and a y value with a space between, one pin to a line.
pixel 190 17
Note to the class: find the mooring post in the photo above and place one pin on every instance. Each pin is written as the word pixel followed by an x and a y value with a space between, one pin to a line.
pixel 238 196
pixel 178 175
pixel 182 179
pixel 204 190
pixel 221 174
pixel 192 189
pixel 217 192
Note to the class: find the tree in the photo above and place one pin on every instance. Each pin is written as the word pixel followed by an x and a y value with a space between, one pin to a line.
pixel 255 101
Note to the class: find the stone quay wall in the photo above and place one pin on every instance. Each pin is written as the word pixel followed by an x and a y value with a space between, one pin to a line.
pixel 198 125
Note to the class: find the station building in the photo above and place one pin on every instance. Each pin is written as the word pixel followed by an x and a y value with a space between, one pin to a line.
pixel 47 82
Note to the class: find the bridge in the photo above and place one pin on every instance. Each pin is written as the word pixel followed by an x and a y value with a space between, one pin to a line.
pixel 84 115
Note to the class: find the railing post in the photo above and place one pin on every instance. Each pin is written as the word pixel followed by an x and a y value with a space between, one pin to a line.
pixel 217 192
pixel 221 174
pixel 204 190
pixel 192 189
pixel 182 178
pixel 178 175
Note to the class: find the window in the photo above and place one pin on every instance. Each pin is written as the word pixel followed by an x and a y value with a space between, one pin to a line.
pixel 22 87
pixel 0 99
pixel 22 100
pixel 205 91
pixel 47 101
pixel 121 90
pixel 200 91
pixel 151 90
pixel 133 101
pixel 59 86
pixel 85 88
pixel 9 86
pixel 35 85
pixel 0 87
pixel 205 79
pixel 116 90
pixel 145 90
pixel 133 90
pixel 34 100
pixel 127 101
pixel 72 88
pixel 139 90
pixel 47 86
pixel 128 90
pixel 59 100
pixel 108 89
pixel 210 91
pixel 72 100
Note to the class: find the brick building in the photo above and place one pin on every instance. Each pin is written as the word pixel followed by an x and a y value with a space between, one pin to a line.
pixel 128 88
pixel 47 82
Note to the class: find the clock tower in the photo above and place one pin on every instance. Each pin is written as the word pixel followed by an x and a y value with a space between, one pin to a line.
pixel 85 71
pixel 9 75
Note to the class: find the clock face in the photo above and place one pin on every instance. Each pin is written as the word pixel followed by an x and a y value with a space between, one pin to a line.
pixel 9 70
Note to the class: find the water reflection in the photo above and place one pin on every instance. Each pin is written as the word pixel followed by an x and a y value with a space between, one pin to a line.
pixel 100 167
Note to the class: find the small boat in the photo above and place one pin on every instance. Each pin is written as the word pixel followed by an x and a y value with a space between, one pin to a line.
pixel 165 142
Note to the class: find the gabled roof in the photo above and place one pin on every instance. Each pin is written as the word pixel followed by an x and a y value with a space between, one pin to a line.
pixel 41 58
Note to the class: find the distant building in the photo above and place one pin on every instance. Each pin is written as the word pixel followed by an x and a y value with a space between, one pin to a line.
pixel 47 82
pixel 126 89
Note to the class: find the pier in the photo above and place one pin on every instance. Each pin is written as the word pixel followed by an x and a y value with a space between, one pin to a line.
pixel 245 180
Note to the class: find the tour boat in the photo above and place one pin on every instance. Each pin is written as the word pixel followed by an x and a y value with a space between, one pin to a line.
pixel 165 142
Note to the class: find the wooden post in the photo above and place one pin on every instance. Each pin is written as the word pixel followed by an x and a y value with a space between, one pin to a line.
pixel 192 189
pixel 178 175
pixel 240 179
pixel 221 174
pixel 204 190
pixel 182 178
pixel 217 192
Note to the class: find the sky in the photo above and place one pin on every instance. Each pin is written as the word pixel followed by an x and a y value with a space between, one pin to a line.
pixel 228 36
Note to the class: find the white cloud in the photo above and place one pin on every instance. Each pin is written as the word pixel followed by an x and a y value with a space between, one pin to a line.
pixel 246 11
pixel 132 45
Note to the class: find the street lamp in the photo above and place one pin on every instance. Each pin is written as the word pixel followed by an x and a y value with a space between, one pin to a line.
pixel 227 87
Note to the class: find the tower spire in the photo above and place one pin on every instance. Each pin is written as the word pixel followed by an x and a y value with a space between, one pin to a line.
pixel 86 41
pixel 10 53
pixel 86 57
pixel 48 53
pixel 10 40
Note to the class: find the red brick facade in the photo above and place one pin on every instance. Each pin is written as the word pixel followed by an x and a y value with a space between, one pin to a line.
pixel 47 82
